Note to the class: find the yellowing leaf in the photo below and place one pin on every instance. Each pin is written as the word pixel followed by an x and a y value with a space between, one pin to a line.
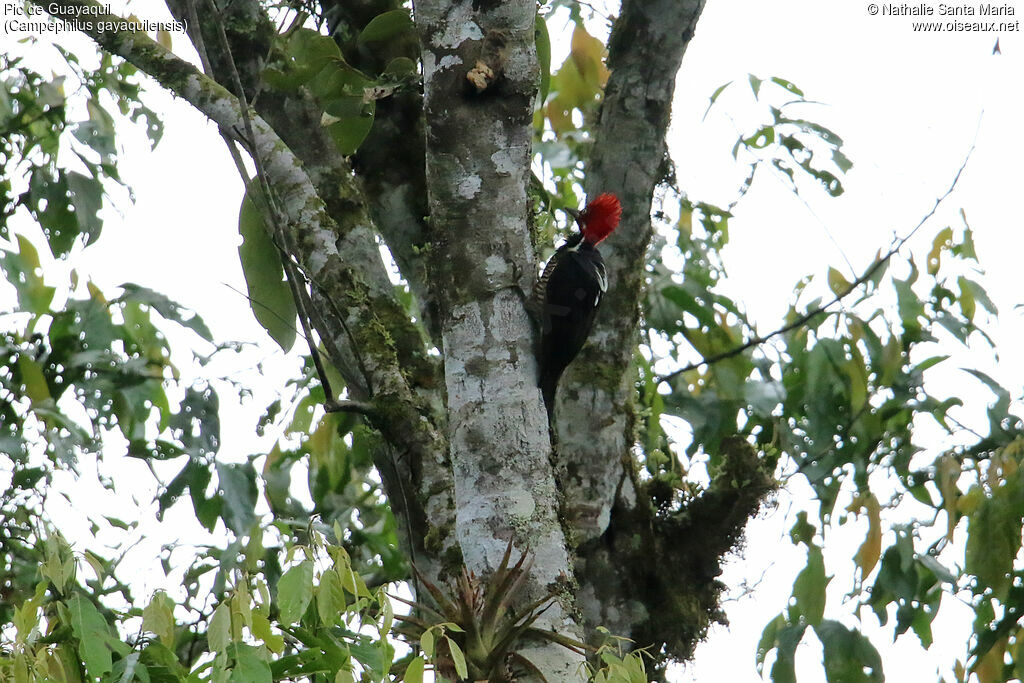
pixel 948 472
pixel 837 283
pixel 869 551
pixel 164 38
pixel 857 374
pixel 942 241
pixel 587 53
pixel 685 224
pixel 990 668
pixel 33 379
pixel 967 303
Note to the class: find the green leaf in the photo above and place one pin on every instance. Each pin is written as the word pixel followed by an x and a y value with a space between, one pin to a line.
pixel 169 310
pixel 761 139
pixel 48 200
pixel 400 68
pixel 414 672
pixel 269 294
pixel 294 592
pixel 427 643
pixel 218 633
pixel 339 78
pixel 59 564
pixel 156 656
pixel 784 668
pixel 809 587
pixel 841 161
pixel 330 597
pixel 981 296
pixel 802 531
pixel 386 26
pixel 96 644
pixel 911 310
pixel 32 377
pixel 23 271
pixel 251 665
pixel 158 618
pixel 788 86
pixel 993 539
pixel 311 51
pixel 849 656
pixel 543 40
pixel 937 568
pixel 350 132
pixel 755 84
pixel 261 630
pixel 458 658
pixel 769 636
pixel 714 97
pixel 236 485
pixel 966 248
pixel 87 198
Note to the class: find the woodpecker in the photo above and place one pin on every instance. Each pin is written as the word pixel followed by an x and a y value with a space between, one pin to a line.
pixel 570 289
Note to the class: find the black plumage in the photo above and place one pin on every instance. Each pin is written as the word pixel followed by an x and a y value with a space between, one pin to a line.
pixel 570 291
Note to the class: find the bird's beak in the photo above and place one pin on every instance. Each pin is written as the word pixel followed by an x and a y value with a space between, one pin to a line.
pixel 574 213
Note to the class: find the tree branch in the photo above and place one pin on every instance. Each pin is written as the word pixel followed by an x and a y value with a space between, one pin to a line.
pixel 296 119
pixel 358 407
pixel 391 160
pixel 818 310
pixel 595 417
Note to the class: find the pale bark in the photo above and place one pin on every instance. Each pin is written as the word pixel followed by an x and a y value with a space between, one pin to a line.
pixel 478 157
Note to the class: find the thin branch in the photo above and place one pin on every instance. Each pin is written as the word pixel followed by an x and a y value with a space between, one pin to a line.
pixel 298 290
pixel 358 407
pixel 818 310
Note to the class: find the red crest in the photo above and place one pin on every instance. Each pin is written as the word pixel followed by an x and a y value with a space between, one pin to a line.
pixel 600 217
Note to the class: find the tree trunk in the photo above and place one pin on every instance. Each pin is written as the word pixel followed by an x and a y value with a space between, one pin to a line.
pixel 478 161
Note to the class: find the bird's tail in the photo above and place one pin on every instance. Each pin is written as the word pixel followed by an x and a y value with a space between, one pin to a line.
pixel 548 384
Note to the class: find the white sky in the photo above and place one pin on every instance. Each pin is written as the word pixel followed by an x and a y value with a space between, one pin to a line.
pixel 908 105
